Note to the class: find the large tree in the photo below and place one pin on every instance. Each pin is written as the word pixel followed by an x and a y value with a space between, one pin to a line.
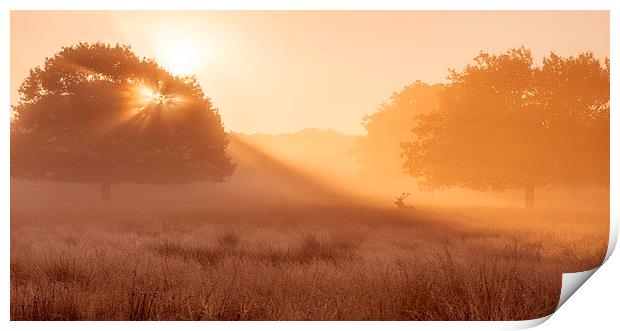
pixel 98 113
pixel 504 122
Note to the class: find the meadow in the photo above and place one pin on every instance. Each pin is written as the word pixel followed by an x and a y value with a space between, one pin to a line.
pixel 222 165
pixel 295 260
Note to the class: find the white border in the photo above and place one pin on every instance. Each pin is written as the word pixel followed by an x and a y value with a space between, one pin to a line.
pixel 567 321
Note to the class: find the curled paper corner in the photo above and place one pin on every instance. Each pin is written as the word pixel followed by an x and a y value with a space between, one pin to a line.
pixel 571 282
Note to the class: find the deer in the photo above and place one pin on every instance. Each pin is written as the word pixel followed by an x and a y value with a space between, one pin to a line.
pixel 400 201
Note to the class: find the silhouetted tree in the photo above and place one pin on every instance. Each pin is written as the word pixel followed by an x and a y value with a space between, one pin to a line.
pixel 98 113
pixel 505 123
pixel 379 150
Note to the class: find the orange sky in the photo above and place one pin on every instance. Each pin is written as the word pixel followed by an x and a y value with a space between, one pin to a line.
pixel 283 71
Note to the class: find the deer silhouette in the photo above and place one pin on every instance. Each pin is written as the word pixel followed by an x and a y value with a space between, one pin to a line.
pixel 400 201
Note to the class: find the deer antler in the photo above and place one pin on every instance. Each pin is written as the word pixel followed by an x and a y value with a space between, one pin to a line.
pixel 400 201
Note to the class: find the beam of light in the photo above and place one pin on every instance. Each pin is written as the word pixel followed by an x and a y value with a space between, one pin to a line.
pixel 147 96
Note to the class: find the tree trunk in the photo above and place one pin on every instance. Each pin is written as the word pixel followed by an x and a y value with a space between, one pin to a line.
pixel 529 196
pixel 106 190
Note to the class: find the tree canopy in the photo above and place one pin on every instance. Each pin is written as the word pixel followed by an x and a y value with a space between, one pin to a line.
pixel 504 122
pixel 379 150
pixel 98 113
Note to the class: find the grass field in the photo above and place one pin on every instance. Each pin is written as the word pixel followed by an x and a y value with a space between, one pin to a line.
pixel 296 261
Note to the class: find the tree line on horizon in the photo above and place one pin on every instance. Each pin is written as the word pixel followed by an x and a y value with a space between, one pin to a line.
pixel 97 113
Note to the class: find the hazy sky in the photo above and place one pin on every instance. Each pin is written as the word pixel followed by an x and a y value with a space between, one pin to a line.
pixel 283 71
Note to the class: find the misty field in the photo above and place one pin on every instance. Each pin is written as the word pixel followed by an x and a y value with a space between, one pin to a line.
pixel 296 261
pixel 305 165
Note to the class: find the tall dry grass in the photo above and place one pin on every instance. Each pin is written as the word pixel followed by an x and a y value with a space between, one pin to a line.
pixel 297 262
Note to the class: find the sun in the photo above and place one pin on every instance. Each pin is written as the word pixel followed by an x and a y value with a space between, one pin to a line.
pixel 180 57
pixel 146 96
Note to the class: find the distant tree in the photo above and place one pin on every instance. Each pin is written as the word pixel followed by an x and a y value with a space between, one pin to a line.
pixel 505 123
pixel 98 113
pixel 379 150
